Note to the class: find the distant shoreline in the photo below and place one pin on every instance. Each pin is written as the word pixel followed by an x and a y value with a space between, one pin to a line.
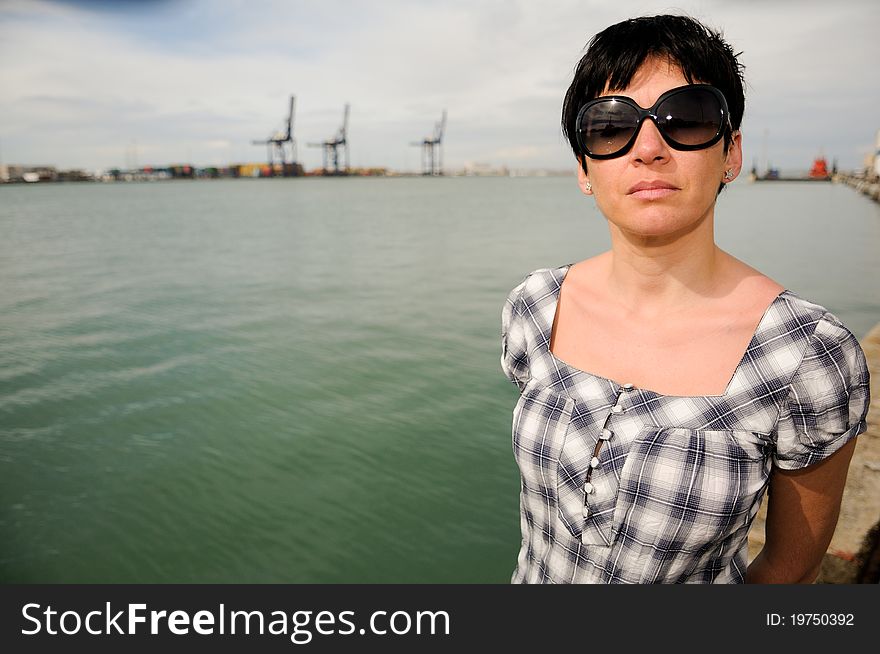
pixel 130 178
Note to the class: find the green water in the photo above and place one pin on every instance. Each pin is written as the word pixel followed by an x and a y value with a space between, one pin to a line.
pixel 297 380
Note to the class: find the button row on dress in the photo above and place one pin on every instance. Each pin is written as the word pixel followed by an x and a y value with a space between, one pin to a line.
pixel 594 462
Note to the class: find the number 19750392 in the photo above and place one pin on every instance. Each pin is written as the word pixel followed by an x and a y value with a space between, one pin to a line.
pixel 810 620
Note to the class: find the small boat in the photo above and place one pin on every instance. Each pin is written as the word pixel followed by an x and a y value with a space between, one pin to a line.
pixel 819 169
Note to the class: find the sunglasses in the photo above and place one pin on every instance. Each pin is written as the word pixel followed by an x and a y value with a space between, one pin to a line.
pixel 689 117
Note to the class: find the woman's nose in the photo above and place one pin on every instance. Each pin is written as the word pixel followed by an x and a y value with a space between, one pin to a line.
pixel 649 145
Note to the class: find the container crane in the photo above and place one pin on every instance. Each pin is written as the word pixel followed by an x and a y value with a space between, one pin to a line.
pixel 431 146
pixel 332 147
pixel 280 142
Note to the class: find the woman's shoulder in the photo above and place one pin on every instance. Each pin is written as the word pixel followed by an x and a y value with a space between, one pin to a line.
pixel 814 313
pixel 827 349
pixel 798 314
pixel 540 280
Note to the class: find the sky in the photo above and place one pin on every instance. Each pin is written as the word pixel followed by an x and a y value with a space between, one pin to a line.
pixel 98 84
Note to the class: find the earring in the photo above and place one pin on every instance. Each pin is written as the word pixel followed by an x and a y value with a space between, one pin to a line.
pixel 588 187
pixel 728 175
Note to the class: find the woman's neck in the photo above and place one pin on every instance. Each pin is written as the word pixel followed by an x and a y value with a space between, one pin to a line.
pixel 651 276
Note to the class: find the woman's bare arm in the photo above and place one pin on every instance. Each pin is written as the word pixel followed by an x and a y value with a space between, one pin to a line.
pixel 802 511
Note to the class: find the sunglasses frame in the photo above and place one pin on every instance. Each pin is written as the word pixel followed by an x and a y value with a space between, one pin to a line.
pixel 651 113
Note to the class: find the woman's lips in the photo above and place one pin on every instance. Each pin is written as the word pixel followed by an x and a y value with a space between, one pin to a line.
pixel 652 190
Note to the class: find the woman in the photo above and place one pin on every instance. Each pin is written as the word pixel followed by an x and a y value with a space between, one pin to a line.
pixel 665 385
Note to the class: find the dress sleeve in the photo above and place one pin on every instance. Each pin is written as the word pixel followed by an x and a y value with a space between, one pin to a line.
pixel 514 351
pixel 828 398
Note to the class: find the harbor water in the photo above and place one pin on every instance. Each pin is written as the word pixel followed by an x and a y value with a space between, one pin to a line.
pixel 297 380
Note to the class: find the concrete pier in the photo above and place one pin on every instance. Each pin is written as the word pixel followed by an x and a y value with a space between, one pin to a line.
pixel 854 553
pixel 870 186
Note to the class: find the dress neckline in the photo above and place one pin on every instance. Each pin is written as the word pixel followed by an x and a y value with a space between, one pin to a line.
pixel 548 332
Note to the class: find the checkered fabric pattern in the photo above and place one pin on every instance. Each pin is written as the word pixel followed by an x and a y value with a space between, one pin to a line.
pixel 672 491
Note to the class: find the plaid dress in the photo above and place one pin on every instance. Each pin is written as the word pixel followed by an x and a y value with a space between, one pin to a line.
pixel 624 485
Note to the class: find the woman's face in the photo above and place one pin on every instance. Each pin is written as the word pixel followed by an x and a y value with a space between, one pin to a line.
pixel 654 190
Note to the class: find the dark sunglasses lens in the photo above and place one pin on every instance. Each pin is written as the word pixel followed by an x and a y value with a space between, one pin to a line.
pixel 691 118
pixel 606 127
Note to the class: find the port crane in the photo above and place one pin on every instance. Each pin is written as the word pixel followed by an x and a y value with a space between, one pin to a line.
pixel 280 142
pixel 332 147
pixel 431 146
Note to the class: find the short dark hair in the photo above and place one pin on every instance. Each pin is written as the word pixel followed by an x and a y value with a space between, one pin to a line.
pixel 614 55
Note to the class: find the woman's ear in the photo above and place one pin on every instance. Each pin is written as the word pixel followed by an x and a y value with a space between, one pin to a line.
pixel 734 158
pixel 584 178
